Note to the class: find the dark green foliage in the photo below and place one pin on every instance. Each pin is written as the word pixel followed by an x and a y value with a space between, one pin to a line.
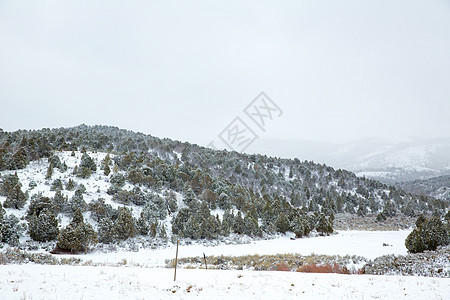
pixel 83 172
pixel 10 230
pixel 251 226
pixel 282 223
pixel 324 225
pixel 70 186
pixel 55 162
pixel 105 165
pixel 106 231
pixel 381 217
pixel 190 199
pixel 56 185
pixel 179 221
pixel 389 209
pixel 88 163
pixel 39 204
pixel 429 234
pixel 301 226
pixel 106 170
pixel 43 227
pixel 60 201
pixel 16 198
pixel 77 203
pixel 78 236
pixel 129 197
pixel 86 167
pixel 124 225
pixel 49 171
pixel 100 210
pixel 192 228
pixel 238 223
pixel 117 182
pixel 155 208
pixel 7 183
pixel 171 203
pixel 19 160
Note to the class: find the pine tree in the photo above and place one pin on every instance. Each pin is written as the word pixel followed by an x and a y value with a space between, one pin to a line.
pixel 16 198
pixel 105 231
pixel 77 236
pixel 124 225
pixel 49 171
pixel 282 223
pixel 43 227
pixel 238 223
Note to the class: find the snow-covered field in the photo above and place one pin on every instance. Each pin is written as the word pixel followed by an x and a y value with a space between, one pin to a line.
pixel 145 278
pixel 362 243
pixel 69 282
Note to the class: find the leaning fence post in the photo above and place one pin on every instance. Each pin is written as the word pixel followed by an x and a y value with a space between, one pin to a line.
pixel 204 258
pixel 176 261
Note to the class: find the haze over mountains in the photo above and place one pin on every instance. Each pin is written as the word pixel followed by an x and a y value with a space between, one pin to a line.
pixel 387 160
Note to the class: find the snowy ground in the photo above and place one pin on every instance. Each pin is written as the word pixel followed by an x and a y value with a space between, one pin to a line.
pixel 144 278
pixel 368 244
pixel 69 282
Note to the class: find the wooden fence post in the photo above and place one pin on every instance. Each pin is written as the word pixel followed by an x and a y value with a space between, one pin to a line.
pixel 176 262
pixel 204 258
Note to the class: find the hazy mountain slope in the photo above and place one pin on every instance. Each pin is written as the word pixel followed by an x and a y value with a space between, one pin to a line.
pixel 388 160
pixel 438 187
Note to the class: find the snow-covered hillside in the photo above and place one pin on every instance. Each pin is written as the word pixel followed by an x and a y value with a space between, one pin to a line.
pixel 34 182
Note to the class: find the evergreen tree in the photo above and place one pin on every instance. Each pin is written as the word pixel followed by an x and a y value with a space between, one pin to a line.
pixel 324 225
pixel 124 225
pixel 43 226
pixel 282 223
pixel 16 198
pixel 429 234
pixel 238 224
pixel 56 185
pixel 78 236
pixel 10 230
pixel 106 231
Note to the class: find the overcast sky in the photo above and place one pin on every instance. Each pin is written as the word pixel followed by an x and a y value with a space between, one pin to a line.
pixel 339 70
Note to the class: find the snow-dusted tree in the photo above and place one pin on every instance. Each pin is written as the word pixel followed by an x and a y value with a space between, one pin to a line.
pixel 192 228
pixel 324 225
pixel 16 198
pixel 428 235
pixel 70 185
pixel 124 225
pixel 60 201
pixel 251 226
pixel 40 203
pixel 180 219
pixel 10 230
pixel 238 223
pixel 282 223
pixel 190 199
pixel 56 185
pixel 78 236
pixel 106 231
pixel 43 226
pixel 88 162
pixel 171 202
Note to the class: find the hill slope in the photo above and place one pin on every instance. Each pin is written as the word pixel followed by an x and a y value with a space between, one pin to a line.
pixel 162 188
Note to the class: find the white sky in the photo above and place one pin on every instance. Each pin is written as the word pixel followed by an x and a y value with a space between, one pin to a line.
pixel 339 70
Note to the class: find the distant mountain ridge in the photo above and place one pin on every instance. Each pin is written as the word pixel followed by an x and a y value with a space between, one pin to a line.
pixel 387 160
pixel 438 187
